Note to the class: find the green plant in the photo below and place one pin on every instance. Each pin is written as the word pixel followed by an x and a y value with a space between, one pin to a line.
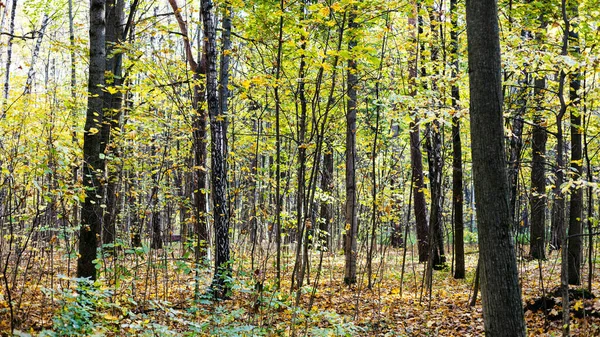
pixel 80 308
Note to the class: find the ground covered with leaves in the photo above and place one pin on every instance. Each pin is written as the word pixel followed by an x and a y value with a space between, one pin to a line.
pixel 161 293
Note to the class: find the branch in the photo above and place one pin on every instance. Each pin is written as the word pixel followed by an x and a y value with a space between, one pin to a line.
pixel 31 35
pixel 184 32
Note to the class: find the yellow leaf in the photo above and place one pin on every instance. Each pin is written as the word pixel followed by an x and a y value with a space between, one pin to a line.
pixel 324 11
pixel 578 305
pixel 110 317
pixel 112 90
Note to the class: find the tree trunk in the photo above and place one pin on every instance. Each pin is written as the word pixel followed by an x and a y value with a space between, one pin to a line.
pixel 112 110
pixel 575 245
pixel 218 128
pixel 351 224
pixel 538 180
pixel 416 157
pixel 434 156
pixel 93 165
pixel 501 294
pixel 457 176
pixel 11 31
pixel 36 52
pixel 199 123
pixel 326 206
pixel 420 207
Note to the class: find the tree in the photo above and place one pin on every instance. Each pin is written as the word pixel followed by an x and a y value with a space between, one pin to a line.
pixel 93 164
pixel 501 295
pixel 416 157
pixel 457 180
pixel 199 136
pixel 575 245
pixel 112 102
pixel 218 131
pixel 539 138
pixel 351 202
pixel 538 181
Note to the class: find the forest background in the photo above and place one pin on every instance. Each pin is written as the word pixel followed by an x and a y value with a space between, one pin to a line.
pixel 289 167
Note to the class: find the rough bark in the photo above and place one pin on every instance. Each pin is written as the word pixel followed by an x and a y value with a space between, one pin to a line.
pixel 575 245
pixel 351 224
pixel 93 165
pixel 501 294
pixel 434 156
pixel 218 128
pixel 538 183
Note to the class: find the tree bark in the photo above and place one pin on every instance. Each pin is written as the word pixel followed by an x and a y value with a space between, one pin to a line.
pixel 218 128
pixel 457 176
pixel 351 224
pixel 93 165
pixel 501 294
pixel 420 207
pixel 11 31
pixel 36 52
pixel 575 245
pixel 112 110
pixel 538 181
pixel 326 213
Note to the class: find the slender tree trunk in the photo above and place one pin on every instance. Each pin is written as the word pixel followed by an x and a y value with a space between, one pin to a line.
pixel 93 165
pixel 112 111
pixel 416 157
pixel 326 206
pixel 73 104
pixel 420 207
pixel 199 124
pixel 11 31
pixel 457 176
pixel 501 293
pixel 538 179
pixel 301 114
pixel 218 128
pixel 36 52
pixel 278 148
pixel 575 245
pixel 351 224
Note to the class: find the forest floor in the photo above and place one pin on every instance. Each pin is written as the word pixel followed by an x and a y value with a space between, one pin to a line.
pixel 152 294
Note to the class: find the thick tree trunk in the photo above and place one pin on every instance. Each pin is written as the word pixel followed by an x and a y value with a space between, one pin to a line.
pixel 351 224
pixel 93 165
pixel 501 294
